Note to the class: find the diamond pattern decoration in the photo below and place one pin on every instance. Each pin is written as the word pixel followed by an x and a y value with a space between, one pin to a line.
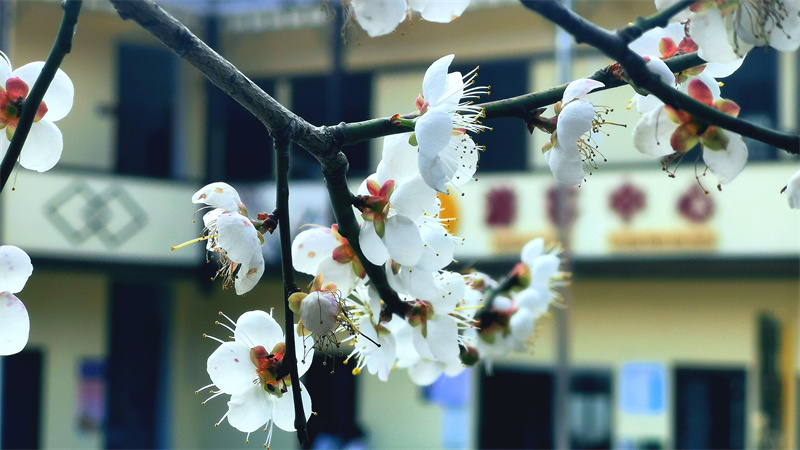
pixel 79 212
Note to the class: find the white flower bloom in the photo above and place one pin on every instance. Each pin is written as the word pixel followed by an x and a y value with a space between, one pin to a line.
pixel 15 269
pixel 232 236
pixel 324 251
pixel 44 144
pixel 391 206
pixel 663 131
pixel 565 157
pixel 376 348
pixel 246 369
pixel 726 30
pixel 446 153
pixel 793 191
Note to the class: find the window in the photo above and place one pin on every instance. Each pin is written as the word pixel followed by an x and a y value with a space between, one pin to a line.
pixel 754 87
pixel 146 86
pixel 507 144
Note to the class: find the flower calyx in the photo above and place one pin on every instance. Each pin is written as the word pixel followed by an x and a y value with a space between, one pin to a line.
pixel 375 206
pixel 344 253
pixel 268 366
pixel 266 222
pixel 418 315
pixel 691 130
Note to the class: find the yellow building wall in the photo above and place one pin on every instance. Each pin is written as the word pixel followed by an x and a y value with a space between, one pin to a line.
pixel 90 128
pixel 68 313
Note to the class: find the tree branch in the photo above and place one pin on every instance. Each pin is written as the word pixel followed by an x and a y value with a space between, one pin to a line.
pixel 322 142
pixel 61 46
pixel 616 48
pixel 281 146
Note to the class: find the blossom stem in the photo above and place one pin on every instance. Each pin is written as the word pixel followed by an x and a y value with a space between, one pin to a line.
pixel 281 144
pixel 61 46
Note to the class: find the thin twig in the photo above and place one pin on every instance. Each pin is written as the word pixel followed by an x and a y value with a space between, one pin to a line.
pixel 61 46
pixel 281 146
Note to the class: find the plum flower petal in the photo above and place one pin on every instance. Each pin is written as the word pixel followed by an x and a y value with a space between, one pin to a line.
pixel 46 138
pixel 59 95
pixel 15 324
pixel 229 367
pixel 283 412
pixel 371 244
pixel 238 236
pixel 439 11
pixel 574 121
pixel 709 31
pixel 793 191
pixel 579 88
pixel 250 410
pixel 434 130
pixel 218 195
pixel 311 247
pixel 728 163
pixel 435 81
pixel 15 268
pixel 255 328
pixel 403 241
pixel 379 17
pixel 651 135
pixel 566 164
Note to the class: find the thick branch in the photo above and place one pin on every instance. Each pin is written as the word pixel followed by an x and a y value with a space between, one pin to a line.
pixel 617 48
pixel 322 142
pixel 61 46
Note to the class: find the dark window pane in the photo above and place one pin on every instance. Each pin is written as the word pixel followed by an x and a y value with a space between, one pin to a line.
pixel 709 408
pixel 248 147
pixel 314 101
pixel 146 91
pixel 506 147
pixel 136 362
pixel 754 87
pixel 21 399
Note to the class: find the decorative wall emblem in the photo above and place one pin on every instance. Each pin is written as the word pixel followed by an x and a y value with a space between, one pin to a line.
pixel 78 212
pixel 626 201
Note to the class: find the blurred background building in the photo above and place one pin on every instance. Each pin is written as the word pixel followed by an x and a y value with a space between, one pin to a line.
pixel 683 312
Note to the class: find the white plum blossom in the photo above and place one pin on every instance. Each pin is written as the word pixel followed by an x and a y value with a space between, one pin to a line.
pixel 247 369
pixel 15 269
pixel 319 250
pixel 543 271
pixel 232 236
pixel 666 131
pixel 375 349
pixel 380 17
pixel 43 146
pixel 793 191
pixel 566 150
pixel 726 30
pixel 391 202
pixel 446 153
pixel 671 41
